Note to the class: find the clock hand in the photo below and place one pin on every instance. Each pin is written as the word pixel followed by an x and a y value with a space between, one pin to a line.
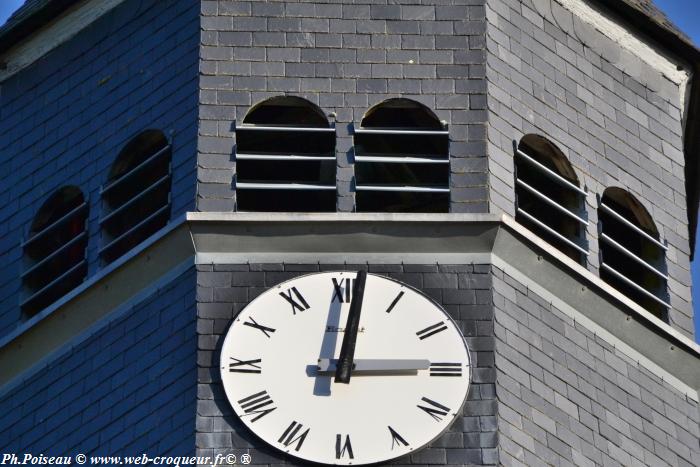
pixel 347 349
pixel 378 365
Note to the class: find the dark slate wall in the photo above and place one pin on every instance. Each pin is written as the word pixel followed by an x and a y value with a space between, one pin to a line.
pixel 567 396
pixel 344 57
pixel 65 118
pixel 127 389
pixel 616 118
pixel 464 292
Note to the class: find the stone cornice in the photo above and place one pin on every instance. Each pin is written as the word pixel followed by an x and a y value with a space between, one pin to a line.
pixel 207 238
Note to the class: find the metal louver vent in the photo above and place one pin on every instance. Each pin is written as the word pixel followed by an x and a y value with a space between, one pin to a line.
pixel 136 199
pixel 547 202
pixel 55 249
pixel 402 161
pixel 632 257
pixel 285 158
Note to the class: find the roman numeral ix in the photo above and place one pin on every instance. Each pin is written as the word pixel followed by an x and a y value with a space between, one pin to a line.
pixel 342 290
pixel 253 405
pixel 292 295
pixel 434 409
pixel 290 436
pixel 245 366
pixel 445 369
pixel 431 330
pixel 254 324
pixel 343 448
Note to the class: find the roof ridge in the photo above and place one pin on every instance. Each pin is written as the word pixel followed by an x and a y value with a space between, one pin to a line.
pixel 657 15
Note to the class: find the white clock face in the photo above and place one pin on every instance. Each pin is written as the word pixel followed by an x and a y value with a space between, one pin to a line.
pixel 410 378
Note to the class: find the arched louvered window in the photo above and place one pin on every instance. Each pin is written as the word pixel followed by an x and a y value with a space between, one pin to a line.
pixel 549 199
pixel 136 197
pixel 285 158
pixel 55 250
pixel 633 260
pixel 402 161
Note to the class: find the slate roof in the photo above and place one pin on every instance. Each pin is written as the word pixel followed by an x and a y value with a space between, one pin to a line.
pixel 48 9
pixel 25 11
pixel 32 15
pixel 653 13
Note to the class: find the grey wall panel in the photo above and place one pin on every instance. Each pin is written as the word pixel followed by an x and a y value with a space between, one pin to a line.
pixel 463 290
pixel 568 396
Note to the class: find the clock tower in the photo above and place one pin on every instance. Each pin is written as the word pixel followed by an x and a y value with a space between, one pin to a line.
pixel 436 232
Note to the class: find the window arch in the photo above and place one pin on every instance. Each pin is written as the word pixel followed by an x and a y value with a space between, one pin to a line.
pixel 55 249
pixel 402 161
pixel 136 197
pixel 548 197
pixel 633 260
pixel 285 158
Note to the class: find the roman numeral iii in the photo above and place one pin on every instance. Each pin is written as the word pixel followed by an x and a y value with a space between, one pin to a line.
pixel 342 290
pixel 434 409
pixel 431 330
pixel 445 369
pixel 343 448
pixel 257 404
pixel 245 366
pixel 290 437
pixel 296 299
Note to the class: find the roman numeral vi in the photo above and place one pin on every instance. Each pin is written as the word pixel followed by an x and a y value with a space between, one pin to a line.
pixel 343 448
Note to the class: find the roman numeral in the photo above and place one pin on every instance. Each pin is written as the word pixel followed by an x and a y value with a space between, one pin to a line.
pixel 396 300
pixel 445 369
pixel 431 330
pixel 343 448
pixel 342 291
pixel 300 305
pixel 254 324
pixel 290 435
pixel 435 410
pixel 247 366
pixel 396 439
pixel 253 405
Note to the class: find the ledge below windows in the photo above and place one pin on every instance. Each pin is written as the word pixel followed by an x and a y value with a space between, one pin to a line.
pixel 375 238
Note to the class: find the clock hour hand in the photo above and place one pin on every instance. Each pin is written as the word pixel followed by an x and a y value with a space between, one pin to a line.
pixel 370 366
pixel 347 349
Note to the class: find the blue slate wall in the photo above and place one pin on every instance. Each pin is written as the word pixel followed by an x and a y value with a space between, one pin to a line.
pixel 128 389
pixel 65 118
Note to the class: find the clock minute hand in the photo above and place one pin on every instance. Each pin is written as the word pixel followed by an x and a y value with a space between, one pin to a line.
pixel 347 349
pixel 378 365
